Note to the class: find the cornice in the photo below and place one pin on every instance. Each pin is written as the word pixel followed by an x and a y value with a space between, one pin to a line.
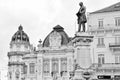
pixel 57 51
pixel 15 63
pixel 17 53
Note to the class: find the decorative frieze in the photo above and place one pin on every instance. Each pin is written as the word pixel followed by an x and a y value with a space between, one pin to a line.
pixel 61 51
pixel 15 63
pixel 17 53
pixel 111 28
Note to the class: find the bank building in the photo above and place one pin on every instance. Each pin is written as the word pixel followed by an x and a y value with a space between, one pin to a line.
pixel 90 55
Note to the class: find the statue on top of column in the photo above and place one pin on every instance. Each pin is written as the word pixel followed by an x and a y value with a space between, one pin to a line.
pixel 81 17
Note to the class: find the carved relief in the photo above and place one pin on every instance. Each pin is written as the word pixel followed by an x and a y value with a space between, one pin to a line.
pixel 55 39
pixel 83 57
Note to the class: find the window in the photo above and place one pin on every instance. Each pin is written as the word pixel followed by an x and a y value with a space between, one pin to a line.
pixel 18 58
pixel 17 74
pixel 24 69
pixel 63 66
pixel 55 65
pixel 32 68
pixel 100 23
pixel 117 59
pixel 117 40
pixel 117 21
pixel 101 59
pixel 46 68
pixel 100 42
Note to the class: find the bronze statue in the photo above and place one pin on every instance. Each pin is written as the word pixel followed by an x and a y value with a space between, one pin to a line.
pixel 81 17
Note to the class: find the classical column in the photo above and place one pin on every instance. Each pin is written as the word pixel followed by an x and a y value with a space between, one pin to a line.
pixel 59 60
pixel 50 66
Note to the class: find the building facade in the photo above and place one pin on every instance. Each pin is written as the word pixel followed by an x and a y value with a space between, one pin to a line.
pixel 104 24
pixel 90 55
pixel 57 58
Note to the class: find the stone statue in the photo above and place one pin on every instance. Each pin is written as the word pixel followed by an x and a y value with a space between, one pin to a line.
pixel 81 17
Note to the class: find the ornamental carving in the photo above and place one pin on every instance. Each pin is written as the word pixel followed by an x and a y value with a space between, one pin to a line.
pixel 55 39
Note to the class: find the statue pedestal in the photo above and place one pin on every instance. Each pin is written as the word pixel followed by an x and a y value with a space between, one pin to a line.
pixel 82 39
pixel 82 34
pixel 82 42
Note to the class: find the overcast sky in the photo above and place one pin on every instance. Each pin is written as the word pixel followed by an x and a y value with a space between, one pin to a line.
pixel 38 17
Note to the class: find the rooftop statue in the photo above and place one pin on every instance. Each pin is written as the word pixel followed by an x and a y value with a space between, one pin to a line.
pixel 81 17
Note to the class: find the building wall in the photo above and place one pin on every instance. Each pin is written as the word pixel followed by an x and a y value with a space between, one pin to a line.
pixel 107 32
pixel 108 18
pixel 49 55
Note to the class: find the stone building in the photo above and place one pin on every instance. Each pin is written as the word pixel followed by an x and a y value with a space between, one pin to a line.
pixel 104 25
pixel 90 55
pixel 55 58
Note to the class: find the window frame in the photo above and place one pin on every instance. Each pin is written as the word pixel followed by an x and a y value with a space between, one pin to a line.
pixel 117 59
pixel 46 66
pixel 101 41
pixel 101 59
pixel 117 39
pixel 100 23
pixel 55 65
pixel 117 21
pixel 31 68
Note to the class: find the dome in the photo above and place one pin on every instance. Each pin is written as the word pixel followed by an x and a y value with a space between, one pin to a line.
pixel 20 36
pixel 60 30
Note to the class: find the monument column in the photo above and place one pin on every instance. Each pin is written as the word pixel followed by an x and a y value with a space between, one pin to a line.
pixel 59 60
pixel 82 42
pixel 50 66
